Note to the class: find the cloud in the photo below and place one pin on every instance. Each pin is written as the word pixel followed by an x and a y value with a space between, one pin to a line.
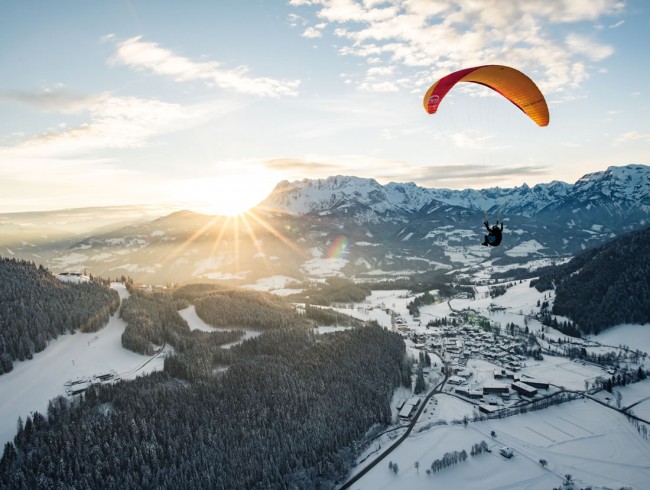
pixel 472 139
pixel 75 159
pixel 114 122
pixel 437 37
pixel 149 56
pixel 476 174
pixel 631 136
pixel 593 51
pixel 300 166
pixel 378 86
pixel 315 31
pixel 453 176
pixel 76 164
pixel 312 32
pixel 57 99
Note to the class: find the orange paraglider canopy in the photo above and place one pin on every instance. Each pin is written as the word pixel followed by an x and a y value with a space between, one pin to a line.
pixel 511 83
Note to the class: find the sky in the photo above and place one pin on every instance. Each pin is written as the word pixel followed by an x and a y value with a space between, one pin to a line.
pixel 207 105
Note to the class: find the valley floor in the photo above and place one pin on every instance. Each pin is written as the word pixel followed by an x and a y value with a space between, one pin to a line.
pixel 594 443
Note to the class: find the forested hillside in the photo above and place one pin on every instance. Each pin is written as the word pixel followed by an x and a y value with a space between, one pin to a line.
pixel 335 290
pixel 289 413
pixel 35 307
pixel 221 306
pixel 152 320
pixel 604 286
pixel 241 308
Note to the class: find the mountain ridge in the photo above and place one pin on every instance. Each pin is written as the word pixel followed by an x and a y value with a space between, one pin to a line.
pixel 309 196
pixel 357 228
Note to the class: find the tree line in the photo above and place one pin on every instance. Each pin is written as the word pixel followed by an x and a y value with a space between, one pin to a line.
pixel 421 282
pixel 334 290
pixel 328 316
pixel 36 307
pixel 287 413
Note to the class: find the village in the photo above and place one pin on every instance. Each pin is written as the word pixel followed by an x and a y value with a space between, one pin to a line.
pixel 494 351
pixel 484 368
pixel 495 375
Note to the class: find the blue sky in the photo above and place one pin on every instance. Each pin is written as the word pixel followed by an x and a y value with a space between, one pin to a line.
pixel 208 104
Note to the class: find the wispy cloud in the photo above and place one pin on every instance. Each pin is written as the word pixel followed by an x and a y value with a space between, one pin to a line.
pixel 78 164
pixel 68 165
pixel 441 36
pixel 476 175
pixel 57 99
pixel 587 47
pixel 149 56
pixel 632 136
pixel 300 166
pixel 113 122
pixel 470 139
pixel 453 176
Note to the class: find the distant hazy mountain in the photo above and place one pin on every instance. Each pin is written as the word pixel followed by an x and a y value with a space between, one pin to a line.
pixel 357 227
pixel 41 235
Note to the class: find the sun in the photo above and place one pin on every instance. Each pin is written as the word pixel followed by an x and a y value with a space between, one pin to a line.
pixel 229 195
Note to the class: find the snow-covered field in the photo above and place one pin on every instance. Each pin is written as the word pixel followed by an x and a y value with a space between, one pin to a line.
pixel 634 336
pixel 195 323
pixel 594 444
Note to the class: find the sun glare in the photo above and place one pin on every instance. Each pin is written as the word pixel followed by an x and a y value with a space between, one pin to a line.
pixel 227 196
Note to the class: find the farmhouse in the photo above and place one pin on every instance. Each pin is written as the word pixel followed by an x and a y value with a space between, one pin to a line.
pixel 455 380
pixel 523 388
pixel 488 409
pixel 496 388
pixel 463 373
pixel 535 383
pixel 501 373
pixel 472 394
pixel 409 407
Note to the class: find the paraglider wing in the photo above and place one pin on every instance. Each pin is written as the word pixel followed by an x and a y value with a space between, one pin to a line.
pixel 509 82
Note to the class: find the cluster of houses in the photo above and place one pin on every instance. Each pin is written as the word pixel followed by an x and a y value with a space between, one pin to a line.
pixel 457 344
pixel 467 341
pixel 505 382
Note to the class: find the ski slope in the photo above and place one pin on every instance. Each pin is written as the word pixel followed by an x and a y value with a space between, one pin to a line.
pixel 32 383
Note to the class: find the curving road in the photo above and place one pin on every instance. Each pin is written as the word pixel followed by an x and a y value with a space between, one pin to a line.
pixel 437 389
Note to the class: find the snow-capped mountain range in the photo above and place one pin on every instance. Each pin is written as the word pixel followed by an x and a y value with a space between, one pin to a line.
pixel 628 185
pixel 356 227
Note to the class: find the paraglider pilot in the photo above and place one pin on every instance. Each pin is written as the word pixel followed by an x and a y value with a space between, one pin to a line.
pixel 494 236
